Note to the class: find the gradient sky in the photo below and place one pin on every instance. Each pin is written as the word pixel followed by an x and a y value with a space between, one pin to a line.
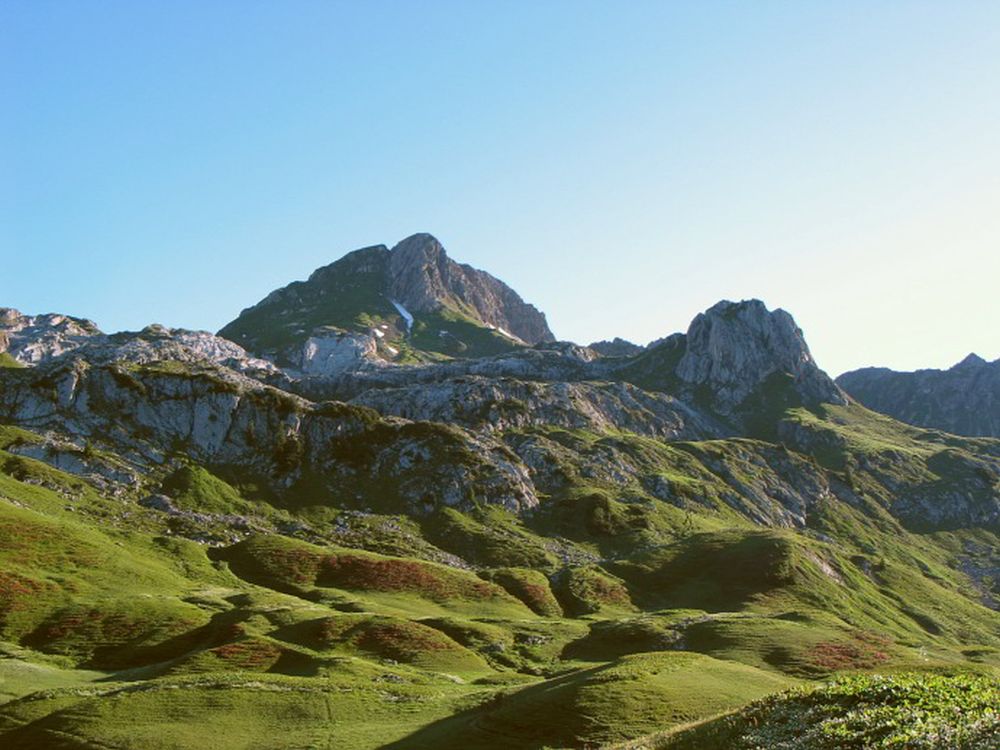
pixel 622 165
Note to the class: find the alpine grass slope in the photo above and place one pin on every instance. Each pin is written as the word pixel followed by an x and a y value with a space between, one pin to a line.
pixel 385 508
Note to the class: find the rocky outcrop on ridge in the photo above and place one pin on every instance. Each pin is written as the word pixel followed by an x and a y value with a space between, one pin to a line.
pixel 617 347
pixel 40 339
pixel 734 347
pixel 737 360
pixel 30 339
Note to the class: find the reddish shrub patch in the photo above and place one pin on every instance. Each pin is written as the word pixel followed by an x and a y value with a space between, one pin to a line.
pixel 865 652
pixel 293 565
pixel 388 574
pixel 19 593
pixel 251 654
pixel 402 641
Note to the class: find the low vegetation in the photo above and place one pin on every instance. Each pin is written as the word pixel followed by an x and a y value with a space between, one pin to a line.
pixel 911 710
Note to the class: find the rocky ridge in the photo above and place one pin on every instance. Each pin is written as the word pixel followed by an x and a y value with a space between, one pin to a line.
pixel 469 427
pixel 964 399
pixel 617 347
pixel 37 340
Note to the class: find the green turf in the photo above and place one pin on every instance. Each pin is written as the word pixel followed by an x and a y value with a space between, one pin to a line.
pixel 908 710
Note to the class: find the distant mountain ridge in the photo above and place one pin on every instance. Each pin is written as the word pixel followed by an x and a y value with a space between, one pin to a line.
pixel 964 399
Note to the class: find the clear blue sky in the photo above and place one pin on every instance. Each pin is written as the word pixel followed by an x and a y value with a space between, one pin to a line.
pixel 622 165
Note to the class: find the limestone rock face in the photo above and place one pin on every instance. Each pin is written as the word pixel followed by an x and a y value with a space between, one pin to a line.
pixel 479 402
pixel 31 339
pixel 425 279
pixel 329 352
pixel 734 347
pixel 964 400
pixel 220 417
pixel 334 414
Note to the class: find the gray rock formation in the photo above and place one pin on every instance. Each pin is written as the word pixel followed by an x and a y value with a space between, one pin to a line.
pixel 738 360
pixel 149 414
pixel 425 279
pixel 617 347
pixel 31 339
pixel 496 430
pixel 329 352
pixel 37 340
pixel 964 400
pixel 735 347
pixel 499 404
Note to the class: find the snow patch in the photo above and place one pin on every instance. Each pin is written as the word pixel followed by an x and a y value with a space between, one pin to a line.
pixel 405 313
pixel 506 333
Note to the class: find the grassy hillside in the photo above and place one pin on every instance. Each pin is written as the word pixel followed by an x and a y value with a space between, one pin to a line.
pixel 656 586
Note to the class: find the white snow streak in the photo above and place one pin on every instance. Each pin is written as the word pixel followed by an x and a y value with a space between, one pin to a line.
pixel 404 312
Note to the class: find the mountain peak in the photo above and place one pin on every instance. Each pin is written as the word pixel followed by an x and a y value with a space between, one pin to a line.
pixel 373 301
pixel 425 279
pixel 972 360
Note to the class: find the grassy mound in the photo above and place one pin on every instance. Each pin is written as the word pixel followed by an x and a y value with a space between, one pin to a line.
pixel 386 638
pixel 354 706
pixel 911 710
pixel 589 589
pixel 604 704
pixel 794 643
pixel 493 538
pixel 530 586
pixel 195 489
pixel 305 569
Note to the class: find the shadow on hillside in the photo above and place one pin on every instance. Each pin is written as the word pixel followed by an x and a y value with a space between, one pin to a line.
pixel 531 718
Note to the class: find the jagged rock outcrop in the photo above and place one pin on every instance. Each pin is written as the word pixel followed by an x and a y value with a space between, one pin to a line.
pixel 39 339
pixel 734 347
pixel 738 360
pixel 964 399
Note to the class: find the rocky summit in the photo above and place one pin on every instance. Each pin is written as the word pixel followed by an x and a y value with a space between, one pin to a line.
pixel 410 303
pixel 384 507
pixel 964 399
